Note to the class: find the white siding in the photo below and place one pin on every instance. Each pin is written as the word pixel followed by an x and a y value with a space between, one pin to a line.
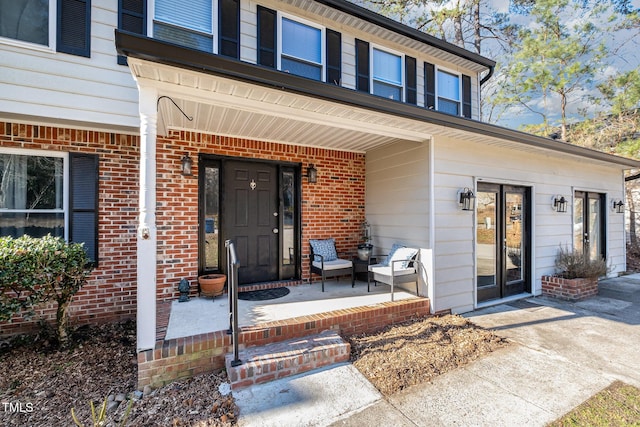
pixel 460 164
pixel 59 86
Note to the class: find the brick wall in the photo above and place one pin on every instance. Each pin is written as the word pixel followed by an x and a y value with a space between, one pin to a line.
pixel 332 207
pixel 569 289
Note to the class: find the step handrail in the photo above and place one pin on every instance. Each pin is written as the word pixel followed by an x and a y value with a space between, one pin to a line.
pixel 232 281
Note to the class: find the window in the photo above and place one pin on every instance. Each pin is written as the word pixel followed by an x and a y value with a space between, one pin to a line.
pixel 65 24
pixel 190 26
pixel 301 49
pixel 49 193
pixel 387 75
pixel 448 93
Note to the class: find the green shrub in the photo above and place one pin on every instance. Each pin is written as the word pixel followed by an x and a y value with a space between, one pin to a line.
pixel 573 264
pixel 36 270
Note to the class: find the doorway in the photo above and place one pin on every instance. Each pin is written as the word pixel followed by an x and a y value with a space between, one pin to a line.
pixel 503 248
pixel 589 224
pixel 256 204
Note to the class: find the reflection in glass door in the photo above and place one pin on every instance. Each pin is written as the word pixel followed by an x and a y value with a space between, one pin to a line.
pixel 502 242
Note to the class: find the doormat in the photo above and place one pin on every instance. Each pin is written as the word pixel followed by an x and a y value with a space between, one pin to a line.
pixel 263 294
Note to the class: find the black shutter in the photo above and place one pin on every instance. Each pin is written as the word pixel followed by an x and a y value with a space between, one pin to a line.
pixel 74 27
pixel 362 66
pixel 132 17
pixel 411 84
pixel 429 86
pixel 466 96
pixel 334 57
pixel 229 28
pixel 267 37
pixel 83 202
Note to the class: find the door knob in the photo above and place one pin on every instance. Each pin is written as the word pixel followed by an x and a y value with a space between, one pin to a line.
pixel 275 231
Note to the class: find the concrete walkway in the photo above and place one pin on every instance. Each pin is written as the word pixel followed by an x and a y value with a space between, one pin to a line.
pixel 563 353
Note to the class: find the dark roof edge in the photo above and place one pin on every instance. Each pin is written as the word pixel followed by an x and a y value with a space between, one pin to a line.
pixel 142 47
pixel 397 27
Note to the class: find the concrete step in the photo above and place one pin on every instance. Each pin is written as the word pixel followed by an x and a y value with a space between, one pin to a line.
pixel 261 364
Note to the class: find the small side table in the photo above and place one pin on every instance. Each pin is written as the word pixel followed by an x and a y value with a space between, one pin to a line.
pixel 361 268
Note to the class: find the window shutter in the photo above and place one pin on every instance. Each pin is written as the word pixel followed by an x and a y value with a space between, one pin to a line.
pixel 229 28
pixel 267 37
pixel 411 84
pixel 74 27
pixel 132 17
pixel 362 66
pixel 83 202
pixel 334 57
pixel 466 96
pixel 429 86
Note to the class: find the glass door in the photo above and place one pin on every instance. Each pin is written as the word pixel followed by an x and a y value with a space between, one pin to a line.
pixel 589 224
pixel 502 241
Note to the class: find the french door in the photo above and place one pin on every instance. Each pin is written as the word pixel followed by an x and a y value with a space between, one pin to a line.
pixel 503 248
pixel 589 224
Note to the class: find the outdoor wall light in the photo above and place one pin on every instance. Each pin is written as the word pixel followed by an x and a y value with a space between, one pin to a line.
pixel 559 203
pixel 618 206
pixel 187 164
pixel 312 174
pixel 466 199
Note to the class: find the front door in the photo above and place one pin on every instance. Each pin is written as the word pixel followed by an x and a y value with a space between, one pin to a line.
pixel 502 237
pixel 250 218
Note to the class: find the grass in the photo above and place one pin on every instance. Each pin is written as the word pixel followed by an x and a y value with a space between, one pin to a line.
pixel 616 405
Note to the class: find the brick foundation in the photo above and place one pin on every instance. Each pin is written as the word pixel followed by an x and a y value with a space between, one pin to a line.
pixel 569 289
pixel 189 356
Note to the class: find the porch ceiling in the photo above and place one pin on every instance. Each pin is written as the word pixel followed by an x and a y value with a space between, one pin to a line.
pixel 228 107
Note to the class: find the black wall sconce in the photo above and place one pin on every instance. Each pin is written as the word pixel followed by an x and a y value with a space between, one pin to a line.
pixel 559 203
pixel 187 164
pixel 618 206
pixel 466 199
pixel 312 174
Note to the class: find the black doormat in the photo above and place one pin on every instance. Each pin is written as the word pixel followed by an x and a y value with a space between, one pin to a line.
pixel 263 294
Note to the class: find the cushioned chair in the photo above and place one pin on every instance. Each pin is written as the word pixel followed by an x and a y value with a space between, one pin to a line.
pixel 401 265
pixel 325 261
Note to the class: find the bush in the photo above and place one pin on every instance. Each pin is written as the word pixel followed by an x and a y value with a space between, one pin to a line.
pixel 573 264
pixel 36 270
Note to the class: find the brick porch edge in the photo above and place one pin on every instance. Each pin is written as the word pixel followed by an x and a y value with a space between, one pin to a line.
pixel 189 356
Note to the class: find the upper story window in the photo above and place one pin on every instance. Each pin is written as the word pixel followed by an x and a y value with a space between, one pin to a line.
pixel 298 47
pixel 301 48
pixel 64 25
pixel 448 93
pixel 386 74
pixel 207 25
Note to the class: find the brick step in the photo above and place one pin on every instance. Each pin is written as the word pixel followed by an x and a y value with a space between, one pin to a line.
pixel 266 363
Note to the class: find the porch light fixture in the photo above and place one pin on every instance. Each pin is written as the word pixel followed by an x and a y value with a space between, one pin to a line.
pixel 559 203
pixel 618 206
pixel 466 199
pixel 187 163
pixel 312 174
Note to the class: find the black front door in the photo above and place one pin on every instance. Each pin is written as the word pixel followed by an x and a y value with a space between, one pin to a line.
pixel 502 241
pixel 250 212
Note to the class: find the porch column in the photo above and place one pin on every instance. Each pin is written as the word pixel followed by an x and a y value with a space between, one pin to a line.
pixel 147 243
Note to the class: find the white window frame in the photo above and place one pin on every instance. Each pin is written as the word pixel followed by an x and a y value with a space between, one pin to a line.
pixel 373 47
pixel 65 183
pixel 51 48
pixel 151 13
pixel 323 42
pixel 437 77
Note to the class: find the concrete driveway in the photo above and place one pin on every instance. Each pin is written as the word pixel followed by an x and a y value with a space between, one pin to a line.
pixel 562 354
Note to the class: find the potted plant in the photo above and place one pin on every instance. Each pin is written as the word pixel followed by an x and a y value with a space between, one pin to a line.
pixel 576 276
pixel 212 285
pixel 365 248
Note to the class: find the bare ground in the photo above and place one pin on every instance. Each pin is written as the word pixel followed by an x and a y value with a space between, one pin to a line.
pixel 43 384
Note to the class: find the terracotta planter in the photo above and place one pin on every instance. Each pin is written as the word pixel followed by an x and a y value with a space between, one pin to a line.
pixel 212 285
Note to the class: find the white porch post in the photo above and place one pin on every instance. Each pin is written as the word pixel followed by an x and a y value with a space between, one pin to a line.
pixel 147 241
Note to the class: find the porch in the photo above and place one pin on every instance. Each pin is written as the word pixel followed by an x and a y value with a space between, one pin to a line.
pixel 192 336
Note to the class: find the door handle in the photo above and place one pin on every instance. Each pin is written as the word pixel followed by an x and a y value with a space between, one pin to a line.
pixel 275 231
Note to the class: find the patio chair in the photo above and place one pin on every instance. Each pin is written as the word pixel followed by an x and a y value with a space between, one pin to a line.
pixel 401 265
pixel 325 262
